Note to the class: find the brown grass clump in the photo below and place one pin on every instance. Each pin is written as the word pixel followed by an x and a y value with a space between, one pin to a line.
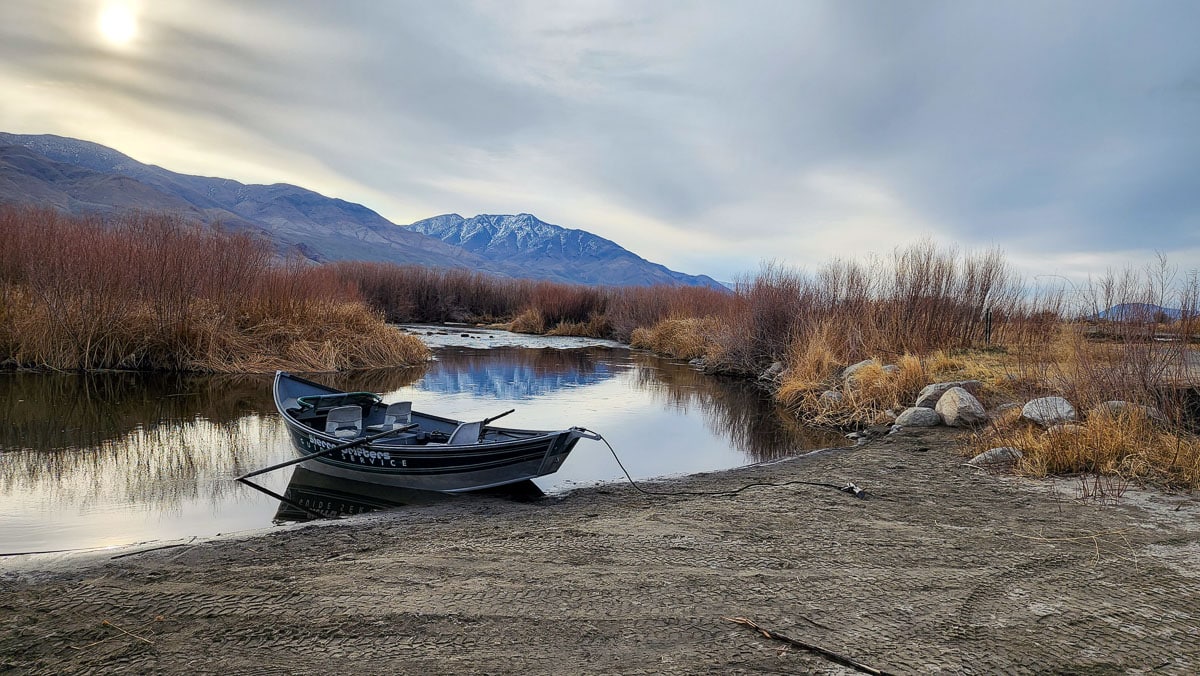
pixel 865 398
pixel 681 338
pixel 529 321
pixel 595 327
pixel 1133 447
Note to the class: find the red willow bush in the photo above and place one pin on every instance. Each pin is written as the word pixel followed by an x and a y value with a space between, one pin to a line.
pixel 152 291
pixel 419 294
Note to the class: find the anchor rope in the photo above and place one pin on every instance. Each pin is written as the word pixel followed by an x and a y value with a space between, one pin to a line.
pixel 848 488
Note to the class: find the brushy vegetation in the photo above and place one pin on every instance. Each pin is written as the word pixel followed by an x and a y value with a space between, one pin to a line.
pixel 153 292
pixel 417 294
pixel 922 316
pixel 1144 361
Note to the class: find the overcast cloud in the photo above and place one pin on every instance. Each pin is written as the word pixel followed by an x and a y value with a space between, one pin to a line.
pixel 704 135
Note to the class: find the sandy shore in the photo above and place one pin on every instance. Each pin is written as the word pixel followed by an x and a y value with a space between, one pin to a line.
pixel 943 569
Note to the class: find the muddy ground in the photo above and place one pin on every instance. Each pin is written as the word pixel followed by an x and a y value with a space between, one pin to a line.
pixel 945 568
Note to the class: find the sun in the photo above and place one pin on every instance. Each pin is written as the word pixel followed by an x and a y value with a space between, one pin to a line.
pixel 117 23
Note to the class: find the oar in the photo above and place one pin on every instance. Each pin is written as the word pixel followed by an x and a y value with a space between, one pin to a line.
pixel 489 421
pixel 340 447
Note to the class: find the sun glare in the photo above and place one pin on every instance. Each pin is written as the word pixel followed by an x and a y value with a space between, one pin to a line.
pixel 117 23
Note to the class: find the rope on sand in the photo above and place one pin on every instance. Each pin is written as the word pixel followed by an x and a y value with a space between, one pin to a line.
pixel 848 488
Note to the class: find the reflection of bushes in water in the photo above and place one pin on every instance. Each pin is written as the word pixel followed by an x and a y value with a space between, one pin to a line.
pixel 733 408
pixel 98 437
pixel 162 465
pixel 48 411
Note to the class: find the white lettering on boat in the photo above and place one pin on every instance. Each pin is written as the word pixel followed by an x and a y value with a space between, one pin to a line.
pixel 361 456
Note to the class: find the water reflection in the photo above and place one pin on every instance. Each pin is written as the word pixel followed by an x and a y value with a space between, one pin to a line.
pixel 50 411
pixel 735 409
pixel 515 374
pixel 312 495
pixel 90 460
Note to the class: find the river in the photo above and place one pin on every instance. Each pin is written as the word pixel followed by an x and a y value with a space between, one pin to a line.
pixel 110 459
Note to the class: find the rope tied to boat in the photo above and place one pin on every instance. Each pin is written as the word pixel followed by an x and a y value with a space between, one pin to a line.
pixel 849 488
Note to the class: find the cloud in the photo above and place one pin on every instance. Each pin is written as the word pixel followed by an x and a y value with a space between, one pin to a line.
pixel 703 135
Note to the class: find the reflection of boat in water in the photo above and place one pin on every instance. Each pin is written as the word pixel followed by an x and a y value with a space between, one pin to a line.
pixel 311 494
pixel 416 450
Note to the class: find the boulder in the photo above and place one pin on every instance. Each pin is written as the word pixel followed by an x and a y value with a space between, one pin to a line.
pixel 960 408
pixel 1116 409
pixel 1048 411
pixel 849 371
pixel 1002 458
pixel 929 396
pixel 919 416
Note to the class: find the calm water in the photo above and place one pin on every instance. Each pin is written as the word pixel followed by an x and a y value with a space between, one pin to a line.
pixel 109 459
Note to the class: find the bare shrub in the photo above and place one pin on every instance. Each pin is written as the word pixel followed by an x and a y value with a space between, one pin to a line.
pixel 152 291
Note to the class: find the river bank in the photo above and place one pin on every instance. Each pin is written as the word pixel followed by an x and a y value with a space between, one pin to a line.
pixel 944 568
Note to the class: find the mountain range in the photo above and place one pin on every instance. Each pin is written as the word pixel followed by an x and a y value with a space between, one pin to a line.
pixel 82 177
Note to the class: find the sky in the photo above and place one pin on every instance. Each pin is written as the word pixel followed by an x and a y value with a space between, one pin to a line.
pixel 707 136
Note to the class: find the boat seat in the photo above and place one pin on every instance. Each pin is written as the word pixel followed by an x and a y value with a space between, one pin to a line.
pixel 398 414
pixel 466 433
pixel 344 422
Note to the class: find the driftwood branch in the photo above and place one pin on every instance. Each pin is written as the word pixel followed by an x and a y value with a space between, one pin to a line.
pixel 827 654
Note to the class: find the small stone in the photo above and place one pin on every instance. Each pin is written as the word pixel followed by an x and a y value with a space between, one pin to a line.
pixel 1005 457
pixel 773 371
pixel 918 416
pixel 831 397
pixel 1048 411
pixel 1117 409
pixel 849 371
pixel 1004 408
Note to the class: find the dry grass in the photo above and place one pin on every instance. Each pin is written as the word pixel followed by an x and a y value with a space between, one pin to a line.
pixel 595 327
pixel 1133 447
pixel 529 321
pixel 682 338
pixel 872 395
pixel 1139 360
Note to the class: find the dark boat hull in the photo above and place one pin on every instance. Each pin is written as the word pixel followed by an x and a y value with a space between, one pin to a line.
pixel 402 462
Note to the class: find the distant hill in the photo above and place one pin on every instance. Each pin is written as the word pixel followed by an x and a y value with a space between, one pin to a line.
pixel 83 177
pixel 555 252
pixel 1139 312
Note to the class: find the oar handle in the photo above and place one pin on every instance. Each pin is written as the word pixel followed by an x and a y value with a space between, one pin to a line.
pixel 339 447
pixel 489 421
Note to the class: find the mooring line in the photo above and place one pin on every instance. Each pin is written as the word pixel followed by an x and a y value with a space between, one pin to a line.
pixel 848 488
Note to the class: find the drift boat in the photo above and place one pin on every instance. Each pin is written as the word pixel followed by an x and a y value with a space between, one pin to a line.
pixel 408 449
